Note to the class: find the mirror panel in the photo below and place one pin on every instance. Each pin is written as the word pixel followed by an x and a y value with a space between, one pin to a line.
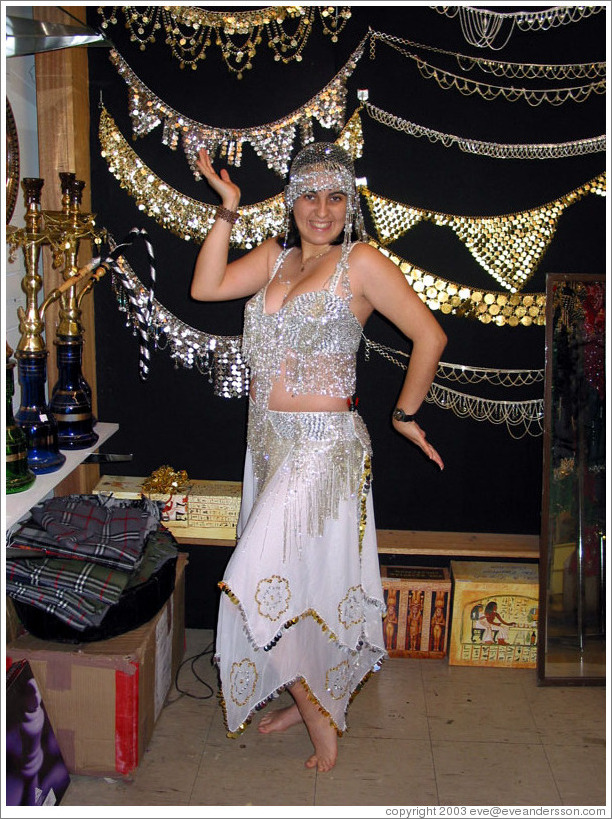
pixel 572 642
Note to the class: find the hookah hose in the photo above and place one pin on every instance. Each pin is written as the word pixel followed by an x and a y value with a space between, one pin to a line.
pixel 141 312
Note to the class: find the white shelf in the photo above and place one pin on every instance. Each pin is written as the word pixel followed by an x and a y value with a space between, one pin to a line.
pixel 20 503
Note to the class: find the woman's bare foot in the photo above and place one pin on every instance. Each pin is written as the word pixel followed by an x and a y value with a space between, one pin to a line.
pixel 279 720
pixel 322 733
pixel 325 740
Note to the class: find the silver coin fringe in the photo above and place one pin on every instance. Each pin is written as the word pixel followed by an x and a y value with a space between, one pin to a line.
pixel 218 357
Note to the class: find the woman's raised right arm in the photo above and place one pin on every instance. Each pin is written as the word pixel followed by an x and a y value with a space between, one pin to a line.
pixel 213 278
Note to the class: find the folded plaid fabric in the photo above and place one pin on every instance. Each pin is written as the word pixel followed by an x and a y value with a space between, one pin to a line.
pixel 91 580
pixel 88 527
pixel 78 592
pixel 161 547
pixel 75 610
pixel 34 539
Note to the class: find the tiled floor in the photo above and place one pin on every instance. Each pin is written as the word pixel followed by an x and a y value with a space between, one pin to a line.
pixel 421 732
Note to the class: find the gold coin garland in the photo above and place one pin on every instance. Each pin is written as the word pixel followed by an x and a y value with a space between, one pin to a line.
pixel 190 31
pixel 509 247
pixel 187 217
pixel 273 142
pixel 191 219
pixel 488 307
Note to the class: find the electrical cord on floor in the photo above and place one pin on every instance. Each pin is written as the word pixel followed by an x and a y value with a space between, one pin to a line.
pixel 182 692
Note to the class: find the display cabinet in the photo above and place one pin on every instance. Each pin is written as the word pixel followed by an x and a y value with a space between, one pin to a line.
pixel 572 615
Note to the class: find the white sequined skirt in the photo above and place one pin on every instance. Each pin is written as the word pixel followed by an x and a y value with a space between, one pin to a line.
pixel 303 598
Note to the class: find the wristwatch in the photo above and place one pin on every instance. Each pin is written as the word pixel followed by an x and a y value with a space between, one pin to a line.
pixel 400 415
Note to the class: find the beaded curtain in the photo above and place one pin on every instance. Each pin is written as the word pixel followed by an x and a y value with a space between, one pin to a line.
pixel 492 482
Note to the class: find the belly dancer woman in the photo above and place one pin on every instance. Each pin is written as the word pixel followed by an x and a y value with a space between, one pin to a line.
pixel 303 606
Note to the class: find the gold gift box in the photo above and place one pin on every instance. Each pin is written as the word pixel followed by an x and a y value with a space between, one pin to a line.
pixel 511 590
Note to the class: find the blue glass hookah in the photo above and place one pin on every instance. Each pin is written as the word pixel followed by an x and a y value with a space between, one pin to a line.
pixel 34 416
pixel 71 398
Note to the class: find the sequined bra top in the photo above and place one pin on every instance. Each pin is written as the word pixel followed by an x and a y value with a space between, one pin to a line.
pixel 315 335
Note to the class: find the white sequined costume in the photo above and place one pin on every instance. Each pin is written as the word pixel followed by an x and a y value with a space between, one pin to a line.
pixel 303 597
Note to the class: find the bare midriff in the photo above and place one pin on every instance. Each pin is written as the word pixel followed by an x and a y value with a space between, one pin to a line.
pixel 281 400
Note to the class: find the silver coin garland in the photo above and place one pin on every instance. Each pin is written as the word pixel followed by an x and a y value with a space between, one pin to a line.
pixel 496 150
pixel 481 27
pixel 273 142
pixel 500 68
pixel 486 237
pixel 217 357
pixel 488 91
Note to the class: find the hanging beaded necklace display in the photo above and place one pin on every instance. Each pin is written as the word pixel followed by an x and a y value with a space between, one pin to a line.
pixel 287 282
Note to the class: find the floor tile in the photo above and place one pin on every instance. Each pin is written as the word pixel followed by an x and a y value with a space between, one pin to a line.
pixel 488 773
pixel 569 714
pixel 391 704
pixel 479 711
pixel 580 773
pixel 256 770
pixel 379 772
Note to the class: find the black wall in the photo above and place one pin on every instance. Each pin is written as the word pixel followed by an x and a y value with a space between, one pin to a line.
pixel 492 482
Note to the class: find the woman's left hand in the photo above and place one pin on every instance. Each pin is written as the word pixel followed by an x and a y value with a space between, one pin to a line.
pixel 413 432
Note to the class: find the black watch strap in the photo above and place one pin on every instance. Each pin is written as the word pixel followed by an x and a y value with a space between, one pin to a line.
pixel 400 415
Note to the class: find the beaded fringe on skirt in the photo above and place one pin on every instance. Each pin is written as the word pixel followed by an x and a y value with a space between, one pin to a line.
pixel 303 598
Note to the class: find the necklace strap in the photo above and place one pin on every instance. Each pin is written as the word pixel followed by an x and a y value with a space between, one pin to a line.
pixel 280 260
pixel 341 271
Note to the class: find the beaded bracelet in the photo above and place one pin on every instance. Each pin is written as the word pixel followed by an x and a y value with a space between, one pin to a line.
pixel 230 216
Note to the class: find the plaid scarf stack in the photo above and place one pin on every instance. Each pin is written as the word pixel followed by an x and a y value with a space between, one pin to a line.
pixel 76 555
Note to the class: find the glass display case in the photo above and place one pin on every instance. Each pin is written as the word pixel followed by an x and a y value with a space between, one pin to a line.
pixel 572 627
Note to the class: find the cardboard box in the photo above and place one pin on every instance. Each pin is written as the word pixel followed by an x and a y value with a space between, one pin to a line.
pixel 203 508
pixel 495 614
pixel 214 505
pixel 104 698
pixel 418 607
pixel 120 486
pixel 13 627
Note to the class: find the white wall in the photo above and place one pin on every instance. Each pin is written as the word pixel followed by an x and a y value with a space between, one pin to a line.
pixel 20 90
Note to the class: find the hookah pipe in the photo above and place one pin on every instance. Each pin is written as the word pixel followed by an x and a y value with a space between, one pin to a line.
pixel 91 272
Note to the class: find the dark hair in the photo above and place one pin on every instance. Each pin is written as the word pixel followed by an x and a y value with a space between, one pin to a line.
pixel 293 235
